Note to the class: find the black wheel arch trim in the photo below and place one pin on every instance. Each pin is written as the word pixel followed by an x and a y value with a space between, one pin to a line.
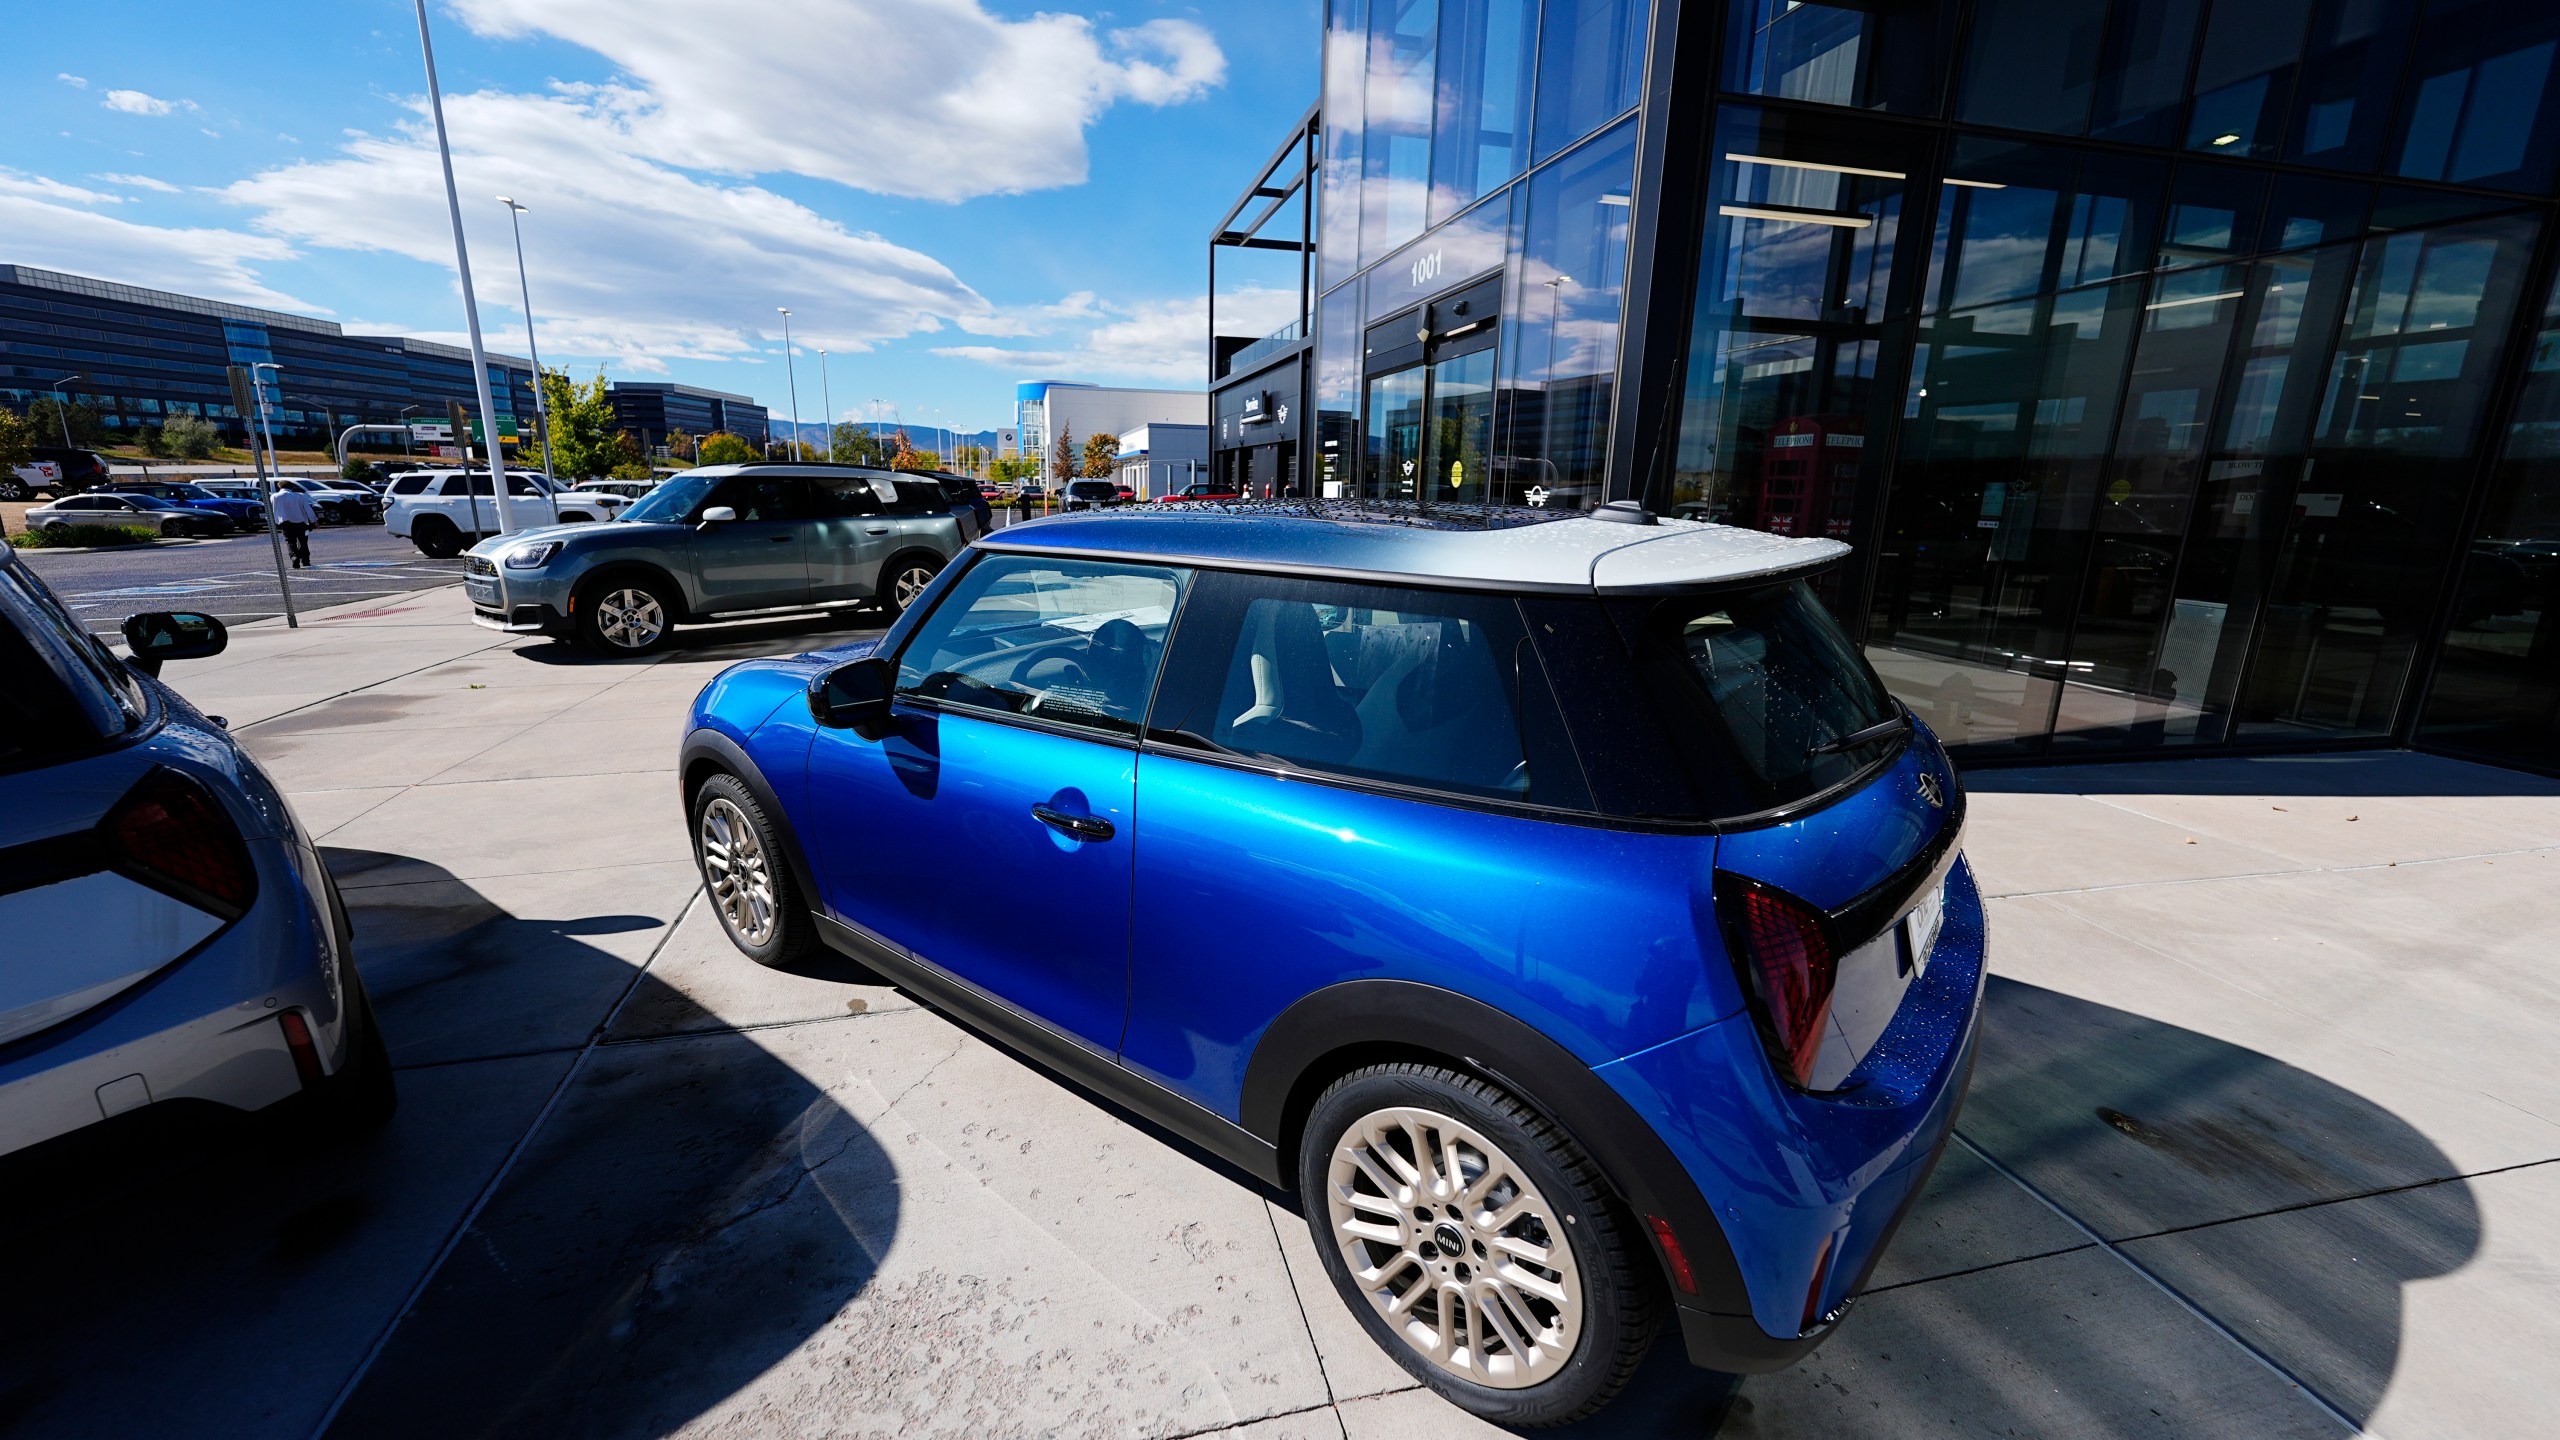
pixel 729 757
pixel 607 571
pixel 1335 1029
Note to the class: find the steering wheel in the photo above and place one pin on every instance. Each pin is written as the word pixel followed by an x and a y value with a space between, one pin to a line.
pixel 1047 673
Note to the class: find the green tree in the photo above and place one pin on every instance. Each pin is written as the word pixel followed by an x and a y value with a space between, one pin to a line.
pixel 585 444
pixel 50 416
pixel 722 448
pixel 861 445
pixel 1008 469
pixel 1062 456
pixel 17 441
pixel 190 437
pixel 1101 455
pixel 680 445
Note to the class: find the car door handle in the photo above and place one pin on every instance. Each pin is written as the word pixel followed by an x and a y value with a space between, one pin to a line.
pixel 782 539
pixel 1083 827
pixel 880 530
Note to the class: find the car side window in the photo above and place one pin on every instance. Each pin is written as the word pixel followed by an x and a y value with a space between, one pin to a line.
pixel 847 496
pixel 1076 642
pixel 414 485
pixel 519 485
pixel 1437 690
pixel 918 498
pixel 764 497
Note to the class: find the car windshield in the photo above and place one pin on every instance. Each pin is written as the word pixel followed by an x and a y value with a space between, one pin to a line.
pixel 671 502
pixel 1772 702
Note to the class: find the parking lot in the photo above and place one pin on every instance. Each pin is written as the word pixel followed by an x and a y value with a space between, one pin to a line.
pixel 2261 1143
pixel 235 577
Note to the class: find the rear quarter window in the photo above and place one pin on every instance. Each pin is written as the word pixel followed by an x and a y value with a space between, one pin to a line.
pixel 414 485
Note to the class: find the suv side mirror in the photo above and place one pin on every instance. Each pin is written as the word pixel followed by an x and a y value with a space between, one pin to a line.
pixel 855 695
pixel 162 635
pixel 718 515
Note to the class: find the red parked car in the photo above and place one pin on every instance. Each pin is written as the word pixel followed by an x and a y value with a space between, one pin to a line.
pixel 1200 490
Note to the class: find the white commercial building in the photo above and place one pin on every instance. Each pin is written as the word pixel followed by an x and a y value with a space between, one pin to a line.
pixel 1084 411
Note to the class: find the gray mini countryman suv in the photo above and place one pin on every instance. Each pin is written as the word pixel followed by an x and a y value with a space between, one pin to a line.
pixel 719 543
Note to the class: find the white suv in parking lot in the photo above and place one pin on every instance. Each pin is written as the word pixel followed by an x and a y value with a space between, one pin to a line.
pixel 444 512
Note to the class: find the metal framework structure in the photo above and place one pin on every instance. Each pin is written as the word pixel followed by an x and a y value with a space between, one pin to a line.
pixel 1288 175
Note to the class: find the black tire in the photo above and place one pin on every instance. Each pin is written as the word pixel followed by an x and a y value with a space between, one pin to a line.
pixel 749 878
pixel 362 1097
pixel 1610 1274
pixel 625 615
pixel 435 537
pixel 904 578
pixel 13 488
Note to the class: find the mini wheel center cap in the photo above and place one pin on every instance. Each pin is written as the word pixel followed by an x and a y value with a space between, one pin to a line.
pixel 1446 1236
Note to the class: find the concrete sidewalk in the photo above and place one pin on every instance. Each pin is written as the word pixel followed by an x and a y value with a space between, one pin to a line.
pixel 2261 1142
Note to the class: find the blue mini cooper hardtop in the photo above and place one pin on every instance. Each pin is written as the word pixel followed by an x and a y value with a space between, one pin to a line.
pixel 1560 907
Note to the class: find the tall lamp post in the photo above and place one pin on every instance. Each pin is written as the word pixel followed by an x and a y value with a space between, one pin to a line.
pixel 826 398
pixel 62 407
pixel 541 402
pixel 792 372
pixel 408 449
pixel 470 301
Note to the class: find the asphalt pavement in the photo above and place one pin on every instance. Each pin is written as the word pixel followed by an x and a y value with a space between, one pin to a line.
pixel 234 579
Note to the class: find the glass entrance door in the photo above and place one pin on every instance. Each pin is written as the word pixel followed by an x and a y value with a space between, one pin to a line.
pixel 1394 460
pixel 1430 436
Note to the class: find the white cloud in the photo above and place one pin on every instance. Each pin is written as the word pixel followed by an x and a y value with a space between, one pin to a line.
pixel 134 102
pixel 217 264
pixel 631 260
pixel 1165 341
pixel 929 98
pixel 76 82
pixel 139 182
pixel 39 187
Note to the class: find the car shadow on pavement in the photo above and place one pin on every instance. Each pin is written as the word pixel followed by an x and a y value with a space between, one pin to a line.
pixel 733 640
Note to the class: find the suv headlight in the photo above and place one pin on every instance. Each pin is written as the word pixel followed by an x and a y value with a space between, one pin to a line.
pixel 534 556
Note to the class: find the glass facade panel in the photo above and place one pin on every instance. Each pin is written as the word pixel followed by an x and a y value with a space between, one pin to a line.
pixel 2359 553
pixel 2033 64
pixel 1395 135
pixel 1590 67
pixel 2481 95
pixel 1482 133
pixel 2244 75
pixel 2350 73
pixel 1337 391
pixel 1870 57
pixel 2497 685
pixel 1346 69
pixel 1561 323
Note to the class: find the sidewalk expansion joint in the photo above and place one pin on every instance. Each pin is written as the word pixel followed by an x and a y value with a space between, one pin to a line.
pixel 2178 1297
pixel 746 1029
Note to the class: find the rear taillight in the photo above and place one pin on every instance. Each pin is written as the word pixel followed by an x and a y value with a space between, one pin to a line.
pixel 1783 951
pixel 306 1053
pixel 173 836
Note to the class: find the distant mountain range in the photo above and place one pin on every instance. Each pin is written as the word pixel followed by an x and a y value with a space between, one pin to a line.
pixel 923 437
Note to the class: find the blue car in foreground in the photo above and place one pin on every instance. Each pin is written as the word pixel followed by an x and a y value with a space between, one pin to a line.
pixel 1559 906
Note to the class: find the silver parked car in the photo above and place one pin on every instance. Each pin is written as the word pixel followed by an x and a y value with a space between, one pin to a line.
pixel 139 512
pixel 719 543
pixel 167 930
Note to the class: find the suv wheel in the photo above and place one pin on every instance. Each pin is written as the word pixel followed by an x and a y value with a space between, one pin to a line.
pixel 745 876
pixel 435 537
pixel 625 617
pixel 1476 1243
pixel 903 582
pixel 13 488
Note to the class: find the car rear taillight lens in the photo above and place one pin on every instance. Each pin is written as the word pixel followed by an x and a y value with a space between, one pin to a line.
pixel 172 835
pixel 1783 951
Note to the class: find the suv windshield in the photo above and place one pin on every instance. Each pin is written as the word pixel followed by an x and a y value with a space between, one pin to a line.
pixel 671 502
pixel 1767 697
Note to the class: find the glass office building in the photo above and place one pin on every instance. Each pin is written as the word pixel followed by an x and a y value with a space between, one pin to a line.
pixel 2184 373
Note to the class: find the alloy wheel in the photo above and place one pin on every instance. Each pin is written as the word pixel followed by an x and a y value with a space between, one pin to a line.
pixel 630 619
pixel 733 859
pixel 909 585
pixel 1455 1248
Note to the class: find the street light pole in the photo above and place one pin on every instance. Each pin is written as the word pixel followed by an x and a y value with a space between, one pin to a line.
pixel 541 402
pixel 470 302
pixel 408 446
pixel 792 372
pixel 826 398
pixel 62 407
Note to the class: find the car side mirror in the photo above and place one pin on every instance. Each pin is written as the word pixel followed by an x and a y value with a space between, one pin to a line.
pixel 163 635
pixel 855 695
pixel 718 515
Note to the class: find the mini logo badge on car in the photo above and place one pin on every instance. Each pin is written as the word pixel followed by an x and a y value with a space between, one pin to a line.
pixel 1933 790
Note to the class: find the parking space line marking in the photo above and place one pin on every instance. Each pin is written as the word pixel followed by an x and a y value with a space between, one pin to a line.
pixel 506 1167
pixel 2273 1366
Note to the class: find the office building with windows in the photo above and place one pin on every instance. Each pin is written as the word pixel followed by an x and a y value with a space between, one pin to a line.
pixel 139 356
pixel 2184 373
pixel 650 410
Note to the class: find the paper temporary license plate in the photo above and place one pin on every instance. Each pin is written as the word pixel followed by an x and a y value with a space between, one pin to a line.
pixel 1920 927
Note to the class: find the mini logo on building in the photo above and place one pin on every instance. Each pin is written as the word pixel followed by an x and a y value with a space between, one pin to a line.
pixel 1257 408
pixel 1933 790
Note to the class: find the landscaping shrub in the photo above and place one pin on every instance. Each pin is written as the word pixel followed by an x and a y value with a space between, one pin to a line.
pixel 83 537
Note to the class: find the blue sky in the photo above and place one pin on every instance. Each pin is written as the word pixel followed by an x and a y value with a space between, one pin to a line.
pixel 951 195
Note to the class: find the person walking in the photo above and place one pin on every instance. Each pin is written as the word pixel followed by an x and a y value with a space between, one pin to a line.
pixel 295 515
